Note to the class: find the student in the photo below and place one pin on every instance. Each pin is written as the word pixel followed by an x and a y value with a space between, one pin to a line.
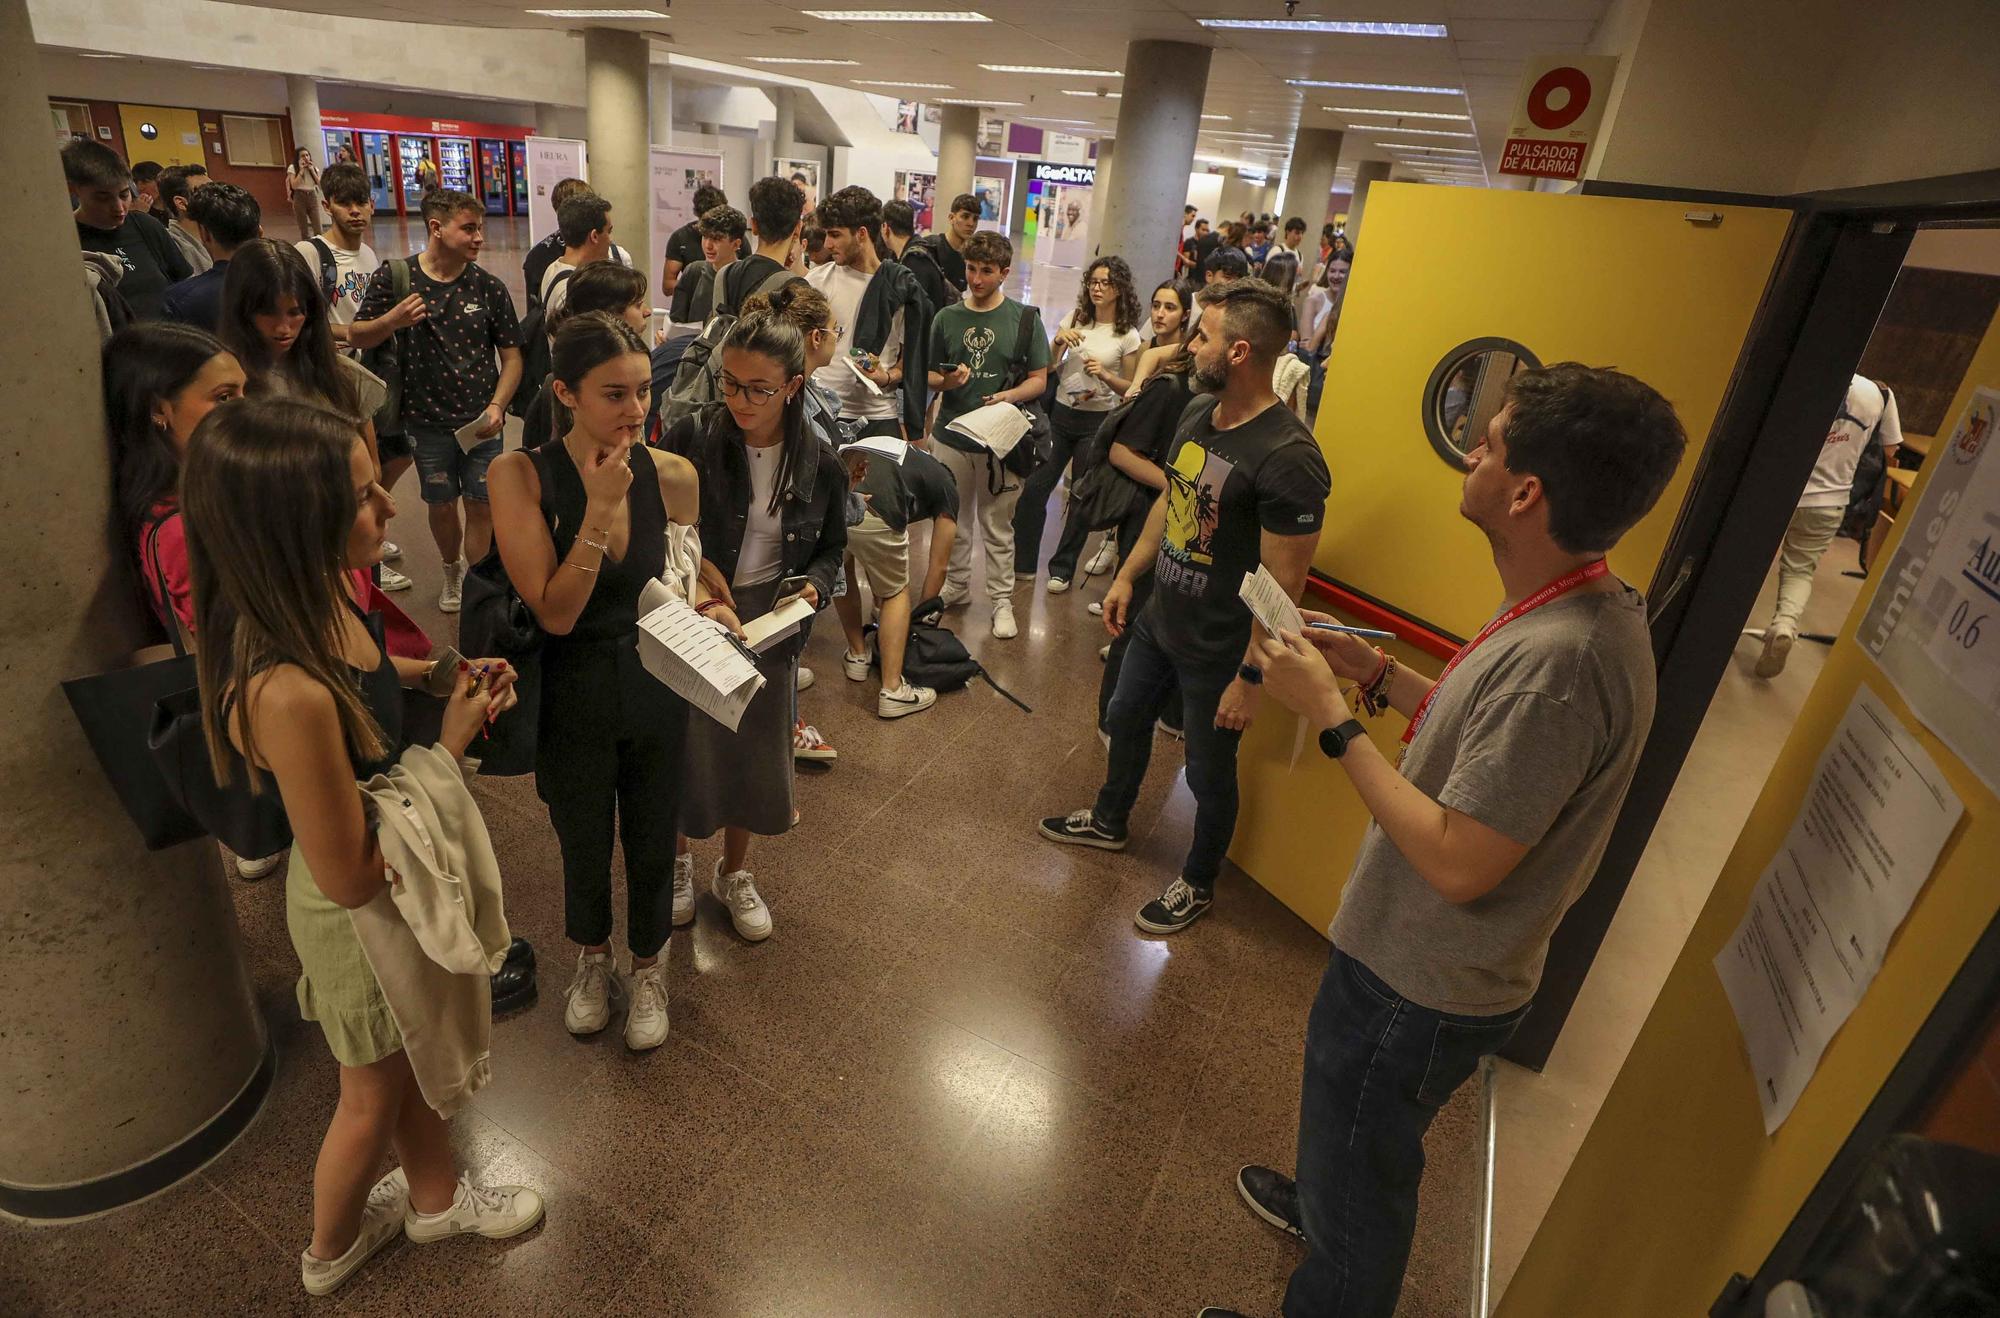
pixel 544 253
pixel 461 365
pixel 341 257
pixel 177 186
pixel 1188 222
pixel 973 345
pixel 610 744
pixel 1246 485
pixel 1321 318
pixel 900 245
pixel 146 187
pixel 1225 264
pixel 684 244
pixel 1259 246
pixel 605 286
pixel 302 181
pixel 1867 417
pixel 1195 248
pixel 949 245
pixel 1282 267
pixel 721 230
pixel 227 217
pixel 1096 355
pixel 105 222
pixel 850 218
pixel 919 489
pixel 777 208
pixel 1516 764
pixel 773 510
pixel 280 499
pixel 812 246
pixel 584 225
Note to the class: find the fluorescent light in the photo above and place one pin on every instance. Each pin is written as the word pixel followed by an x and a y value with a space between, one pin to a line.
pixel 96 54
pixel 1408 149
pixel 913 86
pixel 1394 114
pixel 1110 96
pixel 962 100
pixel 1437 150
pixel 1043 68
pixel 792 59
pixel 896 15
pixel 1339 26
pixel 598 13
pixel 1377 87
pixel 1226 132
pixel 1411 132
pixel 1225 118
pixel 1081 123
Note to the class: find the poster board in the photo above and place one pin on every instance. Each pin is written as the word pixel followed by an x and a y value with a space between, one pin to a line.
pixel 550 161
pixel 1056 212
pixel 920 190
pixel 675 177
pixel 805 173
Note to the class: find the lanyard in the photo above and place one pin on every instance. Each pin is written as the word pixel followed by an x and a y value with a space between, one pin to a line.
pixel 1556 589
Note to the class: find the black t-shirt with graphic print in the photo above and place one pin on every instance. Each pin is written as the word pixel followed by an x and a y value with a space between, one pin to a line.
pixel 1224 489
pixel 451 364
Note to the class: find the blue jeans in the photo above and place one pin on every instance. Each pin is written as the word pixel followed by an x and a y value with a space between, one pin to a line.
pixel 1145 682
pixel 1378 1068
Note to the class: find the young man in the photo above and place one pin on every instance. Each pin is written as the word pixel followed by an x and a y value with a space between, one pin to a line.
pixel 341 257
pixel 1246 485
pixel 777 210
pixel 1515 766
pixel 848 219
pixel 1259 245
pixel 920 489
pixel 900 245
pixel 959 226
pixel 1188 262
pixel 146 185
pixel 227 217
pixel 973 345
pixel 106 222
pixel 1868 416
pixel 721 229
pixel 684 244
pixel 584 225
pixel 177 185
pixel 812 246
pixel 1225 264
pixel 461 361
pixel 550 249
pixel 1187 223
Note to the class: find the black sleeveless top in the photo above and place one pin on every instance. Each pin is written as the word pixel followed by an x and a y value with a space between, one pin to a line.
pixel 612 612
pixel 382 693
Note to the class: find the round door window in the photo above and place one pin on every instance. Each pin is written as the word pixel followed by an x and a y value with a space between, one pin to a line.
pixel 149 131
pixel 1467 390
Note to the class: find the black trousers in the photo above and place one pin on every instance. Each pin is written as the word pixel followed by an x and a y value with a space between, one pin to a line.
pixel 1129 532
pixel 1068 427
pixel 608 765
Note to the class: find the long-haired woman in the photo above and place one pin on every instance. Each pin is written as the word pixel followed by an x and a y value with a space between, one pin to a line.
pixel 774 526
pixel 302 182
pixel 609 746
pixel 1096 353
pixel 280 501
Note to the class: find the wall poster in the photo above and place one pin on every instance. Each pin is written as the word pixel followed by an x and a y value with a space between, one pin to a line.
pixel 550 161
pixel 805 173
pixel 992 184
pixel 920 190
pixel 676 175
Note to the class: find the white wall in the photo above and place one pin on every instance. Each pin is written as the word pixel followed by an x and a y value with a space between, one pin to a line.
pixel 876 149
pixel 1973 251
pixel 151 82
pixel 1205 195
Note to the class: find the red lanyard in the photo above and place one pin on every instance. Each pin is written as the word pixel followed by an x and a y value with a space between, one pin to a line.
pixel 1556 589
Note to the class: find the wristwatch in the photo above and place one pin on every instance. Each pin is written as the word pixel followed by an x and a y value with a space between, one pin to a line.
pixel 1333 742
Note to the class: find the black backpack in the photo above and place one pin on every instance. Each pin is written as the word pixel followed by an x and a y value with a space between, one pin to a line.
pixel 1100 494
pixel 697 374
pixel 535 362
pixel 495 621
pixel 928 245
pixel 936 658
pixel 385 359
pixel 329 271
pixel 1038 445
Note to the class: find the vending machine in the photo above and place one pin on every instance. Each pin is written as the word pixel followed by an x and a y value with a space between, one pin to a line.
pixel 337 141
pixel 493 183
pixel 517 167
pixel 413 152
pixel 379 165
pixel 455 165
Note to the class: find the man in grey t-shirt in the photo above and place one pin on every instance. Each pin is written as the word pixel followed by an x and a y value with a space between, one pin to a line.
pixel 1516 765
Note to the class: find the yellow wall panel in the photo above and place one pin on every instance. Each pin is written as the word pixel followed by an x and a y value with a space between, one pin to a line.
pixel 179 140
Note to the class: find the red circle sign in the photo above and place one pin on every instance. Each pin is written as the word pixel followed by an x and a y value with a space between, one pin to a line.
pixel 1574 81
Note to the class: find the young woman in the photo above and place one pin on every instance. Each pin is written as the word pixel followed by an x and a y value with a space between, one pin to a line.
pixel 609 747
pixel 605 286
pixel 302 181
pixel 274 318
pixel 280 499
pixel 1322 317
pixel 774 518
pixel 1096 353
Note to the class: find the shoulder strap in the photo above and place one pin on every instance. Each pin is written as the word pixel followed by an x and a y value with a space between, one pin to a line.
pixel 1020 359
pixel 773 282
pixel 152 558
pixel 329 269
pixel 399 277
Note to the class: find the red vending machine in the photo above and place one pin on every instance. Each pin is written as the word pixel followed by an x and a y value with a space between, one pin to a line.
pixel 493 181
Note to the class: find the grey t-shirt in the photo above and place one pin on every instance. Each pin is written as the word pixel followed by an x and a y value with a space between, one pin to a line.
pixel 1536 736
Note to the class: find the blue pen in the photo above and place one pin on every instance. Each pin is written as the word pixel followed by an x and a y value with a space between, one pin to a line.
pixel 1350 631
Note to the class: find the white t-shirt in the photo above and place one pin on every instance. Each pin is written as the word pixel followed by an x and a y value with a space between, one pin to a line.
pixel 1103 343
pixel 843 289
pixel 351 277
pixel 552 294
pixel 1868 410
pixel 761 557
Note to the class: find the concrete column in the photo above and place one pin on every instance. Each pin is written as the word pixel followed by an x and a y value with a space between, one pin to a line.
pixel 617 93
pixel 133 1043
pixel 1158 118
pixel 303 94
pixel 1309 182
pixel 1365 173
pixel 785 137
pixel 958 144
pixel 546 123
pixel 1106 148
pixel 662 78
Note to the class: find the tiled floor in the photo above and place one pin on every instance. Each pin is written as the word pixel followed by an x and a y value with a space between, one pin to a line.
pixel 955 1081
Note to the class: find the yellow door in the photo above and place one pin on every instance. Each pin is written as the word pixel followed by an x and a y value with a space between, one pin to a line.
pixel 174 137
pixel 1607 281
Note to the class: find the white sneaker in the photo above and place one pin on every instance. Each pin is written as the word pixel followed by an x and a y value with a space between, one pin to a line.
pixel 805 678
pixel 747 911
pixel 1778 642
pixel 454 582
pixel 909 699
pixel 247 868
pixel 381 1221
pixel 393 580
pixel 1104 654
pixel 391 551
pixel 591 995
pixel 855 666
pixel 1003 622
pixel 496 1212
pixel 646 1022
pixel 953 596
pixel 683 890
pixel 1105 559
pixel 1057 585
pixel 1095 608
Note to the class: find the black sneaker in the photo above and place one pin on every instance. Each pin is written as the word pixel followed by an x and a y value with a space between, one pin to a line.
pixel 1083 830
pixel 1175 909
pixel 1273 1196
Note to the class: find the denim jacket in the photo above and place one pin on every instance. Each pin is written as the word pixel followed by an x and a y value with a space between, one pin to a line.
pixel 812 514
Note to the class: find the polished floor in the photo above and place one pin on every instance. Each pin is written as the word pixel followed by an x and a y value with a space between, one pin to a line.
pixel 955 1081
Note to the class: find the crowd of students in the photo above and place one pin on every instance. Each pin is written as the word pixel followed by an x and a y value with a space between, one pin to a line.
pixel 262 408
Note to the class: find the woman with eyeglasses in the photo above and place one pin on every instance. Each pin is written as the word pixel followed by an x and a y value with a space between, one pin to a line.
pixel 774 528
pixel 1096 354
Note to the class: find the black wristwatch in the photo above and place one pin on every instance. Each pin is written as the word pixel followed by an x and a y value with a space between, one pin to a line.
pixel 1333 742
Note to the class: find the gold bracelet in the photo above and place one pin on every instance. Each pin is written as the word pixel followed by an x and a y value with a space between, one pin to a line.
pixel 580 567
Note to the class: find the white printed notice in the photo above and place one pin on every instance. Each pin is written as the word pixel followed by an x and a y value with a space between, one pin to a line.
pixel 1934 624
pixel 1875 818
pixel 696 656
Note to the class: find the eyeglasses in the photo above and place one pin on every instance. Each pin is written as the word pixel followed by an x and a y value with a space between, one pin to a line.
pixel 757 393
pixel 1097 283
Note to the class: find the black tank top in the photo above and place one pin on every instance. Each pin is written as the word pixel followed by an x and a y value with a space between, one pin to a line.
pixel 382 693
pixel 612 612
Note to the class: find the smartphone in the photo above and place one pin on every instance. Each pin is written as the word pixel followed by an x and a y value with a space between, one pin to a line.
pixel 788 589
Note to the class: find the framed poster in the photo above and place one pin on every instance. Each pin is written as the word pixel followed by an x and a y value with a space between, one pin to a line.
pixel 920 190
pixel 676 175
pixel 907 113
pixel 550 161
pixel 805 173
pixel 992 184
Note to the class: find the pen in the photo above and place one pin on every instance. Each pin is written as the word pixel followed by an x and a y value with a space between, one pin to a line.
pixel 1350 631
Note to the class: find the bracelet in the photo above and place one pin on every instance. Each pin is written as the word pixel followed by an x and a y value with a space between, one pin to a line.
pixel 580 567
pixel 1383 655
pixel 1375 696
pixel 600 546
pixel 707 604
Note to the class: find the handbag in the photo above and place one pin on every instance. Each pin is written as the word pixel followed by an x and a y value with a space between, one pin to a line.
pixel 495 622
pixel 248 823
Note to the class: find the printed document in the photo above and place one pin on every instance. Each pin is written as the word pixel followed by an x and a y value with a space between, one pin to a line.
pixel 996 426
pixel 697 657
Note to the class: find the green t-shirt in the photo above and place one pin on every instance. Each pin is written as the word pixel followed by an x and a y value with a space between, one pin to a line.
pixel 987 341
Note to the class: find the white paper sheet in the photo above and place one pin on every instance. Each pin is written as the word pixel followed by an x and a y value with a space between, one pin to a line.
pixel 695 656
pixel 1876 816
pixel 765 631
pixel 997 426
pixel 468 434
pixel 893 449
pixel 1269 604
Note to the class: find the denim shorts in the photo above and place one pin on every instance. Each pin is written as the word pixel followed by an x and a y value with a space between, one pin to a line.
pixel 446 472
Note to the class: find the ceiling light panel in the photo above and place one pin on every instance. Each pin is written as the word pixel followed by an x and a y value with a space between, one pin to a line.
pixel 963 100
pixel 896 15
pixel 598 13
pixel 907 86
pixel 789 59
pixel 1338 27
pixel 1061 73
pixel 1411 132
pixel 1412 88
pixel 1394 114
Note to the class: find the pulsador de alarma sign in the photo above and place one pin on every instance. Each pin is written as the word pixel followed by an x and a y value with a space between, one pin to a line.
pixel 1559 110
